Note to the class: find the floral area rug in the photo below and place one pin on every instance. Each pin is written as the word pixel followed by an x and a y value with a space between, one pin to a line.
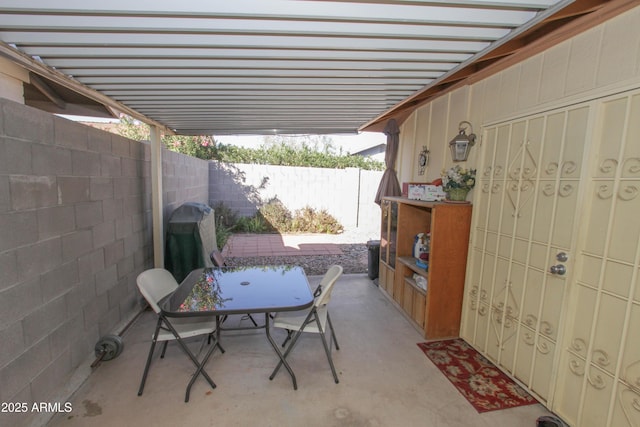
pixel 486 387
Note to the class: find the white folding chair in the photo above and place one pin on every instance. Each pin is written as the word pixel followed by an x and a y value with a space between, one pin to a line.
pixel 313 319
pixel 154 285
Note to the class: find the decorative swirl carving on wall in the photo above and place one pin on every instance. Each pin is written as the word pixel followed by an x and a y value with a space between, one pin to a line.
pixel 604 191
pixel 527 173
pixel 547 328
pixel 543 347
pixel 608 166
pixel 526 186
pixel 565 190
pixel 515 173
pixel 628 192
pixel 569 167
pixel 631 375
pixel 630 403
pixel 632 166
pixel 497 171
pixel 473 297
pixel 496 188
pixel 484 295
pixel 576 367
pixel 497 317
pixel 601 358
pixel 596 381
pixel 485 187
pixel 508 322
pixel 530 320
pixel 487 172
pixel 482 310
pixel 579 345
pixel 510 311
pixel 528 338
pixel 549 190
pixel 551 168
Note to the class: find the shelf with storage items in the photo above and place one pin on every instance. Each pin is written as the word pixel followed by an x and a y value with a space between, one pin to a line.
pixel 388 234
pixel 435 311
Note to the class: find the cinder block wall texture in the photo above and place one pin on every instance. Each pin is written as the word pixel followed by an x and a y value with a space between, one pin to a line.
pixel 75 231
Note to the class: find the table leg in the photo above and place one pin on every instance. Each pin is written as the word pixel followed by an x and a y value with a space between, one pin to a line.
pixel 218 329
pixel 283 361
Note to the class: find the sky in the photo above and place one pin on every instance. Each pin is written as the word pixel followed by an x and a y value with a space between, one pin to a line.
pixel 348 143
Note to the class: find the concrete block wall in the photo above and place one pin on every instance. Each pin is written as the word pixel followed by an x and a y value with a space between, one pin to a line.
pixel 347 194
pixel 185 179
pixel 75 231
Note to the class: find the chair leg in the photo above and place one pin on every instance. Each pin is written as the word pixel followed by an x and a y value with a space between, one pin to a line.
pixel 286 340
pixel 148 364
pixel 164 349
pixel 327 350
pixel 296 335
pixel 333 333
pixel 199 365
pixel 252 320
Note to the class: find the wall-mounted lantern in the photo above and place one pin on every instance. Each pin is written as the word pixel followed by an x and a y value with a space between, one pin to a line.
pixel 462 143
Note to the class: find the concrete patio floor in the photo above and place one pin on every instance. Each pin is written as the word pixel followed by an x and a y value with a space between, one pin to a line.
pixel 385 379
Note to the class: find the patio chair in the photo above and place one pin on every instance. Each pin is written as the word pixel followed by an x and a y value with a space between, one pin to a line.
pixel 313 319
pixel 218 260
pixel 154 285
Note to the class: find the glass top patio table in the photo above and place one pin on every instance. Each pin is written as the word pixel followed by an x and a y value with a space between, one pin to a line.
pixel 224 291
pixel 240 290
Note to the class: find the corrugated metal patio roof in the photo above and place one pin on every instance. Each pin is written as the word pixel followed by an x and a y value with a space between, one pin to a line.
pixel 268 66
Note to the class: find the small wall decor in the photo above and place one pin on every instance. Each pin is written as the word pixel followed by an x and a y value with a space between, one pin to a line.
pixel 423 160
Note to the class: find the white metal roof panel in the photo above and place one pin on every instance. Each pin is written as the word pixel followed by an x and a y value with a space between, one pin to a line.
pixel 262 66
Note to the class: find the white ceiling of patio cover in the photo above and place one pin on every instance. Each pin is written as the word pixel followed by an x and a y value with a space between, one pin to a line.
pixel 262 66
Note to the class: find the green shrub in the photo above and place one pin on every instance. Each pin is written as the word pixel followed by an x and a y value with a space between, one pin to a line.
pixel 222 236
pixel 254 224
pixel 286 155
pixel 225 219
pixel 225 216
pixel 282 150
pixel 308 220
pixel 276 216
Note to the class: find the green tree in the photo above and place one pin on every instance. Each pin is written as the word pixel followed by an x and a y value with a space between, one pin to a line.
pixel 310 150
pixel 196 146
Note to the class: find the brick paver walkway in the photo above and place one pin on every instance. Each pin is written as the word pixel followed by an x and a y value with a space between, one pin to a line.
pixel 252 245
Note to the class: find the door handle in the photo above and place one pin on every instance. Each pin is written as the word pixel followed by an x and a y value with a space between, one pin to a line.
pixel 559 269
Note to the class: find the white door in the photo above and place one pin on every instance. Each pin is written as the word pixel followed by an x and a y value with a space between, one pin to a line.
pixel 524 227
pixel 599 372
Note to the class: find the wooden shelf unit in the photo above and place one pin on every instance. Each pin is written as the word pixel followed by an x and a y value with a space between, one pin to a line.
pixel 437 310
pixel 388 237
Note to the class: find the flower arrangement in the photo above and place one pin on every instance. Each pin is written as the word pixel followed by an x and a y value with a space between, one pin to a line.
pixel 457 177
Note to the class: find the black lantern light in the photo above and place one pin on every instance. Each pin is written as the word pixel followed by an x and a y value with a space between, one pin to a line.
pixel 462 143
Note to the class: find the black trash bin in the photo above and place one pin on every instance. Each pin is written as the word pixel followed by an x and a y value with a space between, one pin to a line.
pixel 373 267
pixel 191 237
